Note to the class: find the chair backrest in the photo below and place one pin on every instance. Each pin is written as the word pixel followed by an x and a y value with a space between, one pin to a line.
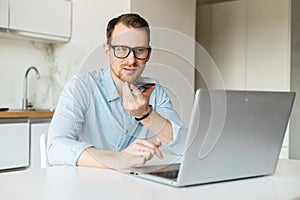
pixel 43 151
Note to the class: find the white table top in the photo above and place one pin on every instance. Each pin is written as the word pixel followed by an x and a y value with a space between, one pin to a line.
pixel 91 183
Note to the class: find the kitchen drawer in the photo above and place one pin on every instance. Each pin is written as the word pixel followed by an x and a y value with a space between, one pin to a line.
pixel 14 145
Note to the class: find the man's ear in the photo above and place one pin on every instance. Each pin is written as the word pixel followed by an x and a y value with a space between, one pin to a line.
pixel 106 51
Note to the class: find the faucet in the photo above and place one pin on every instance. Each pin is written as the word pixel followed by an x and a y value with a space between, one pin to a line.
pixel 25 104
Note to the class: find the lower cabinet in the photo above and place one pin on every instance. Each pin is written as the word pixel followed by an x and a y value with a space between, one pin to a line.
pixel 37 129
pixel 14 145
pixel 20 143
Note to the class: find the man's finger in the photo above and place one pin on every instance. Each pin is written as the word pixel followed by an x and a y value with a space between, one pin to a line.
pixel 127 95
pixel 159 154
pixel 152 145
pixel 136 91
pixel 158 143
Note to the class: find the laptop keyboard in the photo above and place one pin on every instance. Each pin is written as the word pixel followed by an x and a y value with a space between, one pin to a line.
pixel 172 174
pixel 169 171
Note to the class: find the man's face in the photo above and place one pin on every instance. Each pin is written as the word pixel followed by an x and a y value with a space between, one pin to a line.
pixel 130 68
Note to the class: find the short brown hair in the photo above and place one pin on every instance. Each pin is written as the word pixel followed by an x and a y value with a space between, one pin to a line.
pixel 130 20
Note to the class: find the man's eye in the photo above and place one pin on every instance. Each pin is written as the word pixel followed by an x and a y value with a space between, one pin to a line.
pixel 121 49
pixel 140 50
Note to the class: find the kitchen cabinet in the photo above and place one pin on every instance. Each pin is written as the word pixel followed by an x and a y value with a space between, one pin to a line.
pixel 20 133
pixel 3 14
pixel 36 130
pixel 47 19
pixel 14 145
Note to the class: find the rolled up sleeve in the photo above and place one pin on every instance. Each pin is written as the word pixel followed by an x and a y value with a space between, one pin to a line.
pixel 63 142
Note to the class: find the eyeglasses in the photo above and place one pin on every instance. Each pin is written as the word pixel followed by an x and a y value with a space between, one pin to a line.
pixel 140 53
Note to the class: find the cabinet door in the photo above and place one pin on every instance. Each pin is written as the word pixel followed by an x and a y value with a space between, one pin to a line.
pixel 48 17
pixel 3 13
pixel 14 145
pixel 36 131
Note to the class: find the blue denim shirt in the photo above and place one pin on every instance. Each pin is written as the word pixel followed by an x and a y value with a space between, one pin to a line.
pixel 90 113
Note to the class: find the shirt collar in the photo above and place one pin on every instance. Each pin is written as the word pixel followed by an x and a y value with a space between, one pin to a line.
pixel 111 90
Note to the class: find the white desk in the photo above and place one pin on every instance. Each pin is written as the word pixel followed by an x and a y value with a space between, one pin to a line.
pixel 88 183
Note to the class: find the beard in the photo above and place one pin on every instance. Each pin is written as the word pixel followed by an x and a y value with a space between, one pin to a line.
pixel 129 73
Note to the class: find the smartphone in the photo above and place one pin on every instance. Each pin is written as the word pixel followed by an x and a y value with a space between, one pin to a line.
pixel 142 86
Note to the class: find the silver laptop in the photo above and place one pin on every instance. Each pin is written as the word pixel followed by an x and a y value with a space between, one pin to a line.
pixel 231 135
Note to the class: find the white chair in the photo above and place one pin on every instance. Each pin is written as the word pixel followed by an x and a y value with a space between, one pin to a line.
pixel 43 151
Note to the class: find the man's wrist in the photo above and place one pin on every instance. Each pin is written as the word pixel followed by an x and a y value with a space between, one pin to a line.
pixel 146 115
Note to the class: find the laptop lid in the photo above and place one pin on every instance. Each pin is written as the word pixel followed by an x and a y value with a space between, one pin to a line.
pixel 234 134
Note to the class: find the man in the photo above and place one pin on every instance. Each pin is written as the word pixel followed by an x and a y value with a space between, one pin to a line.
pixel 102 119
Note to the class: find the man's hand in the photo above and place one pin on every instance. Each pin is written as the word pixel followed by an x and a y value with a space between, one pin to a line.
pixel 137 153
pixel 136 104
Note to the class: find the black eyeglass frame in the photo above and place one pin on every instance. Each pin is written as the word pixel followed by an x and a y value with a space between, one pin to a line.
pixel 133 49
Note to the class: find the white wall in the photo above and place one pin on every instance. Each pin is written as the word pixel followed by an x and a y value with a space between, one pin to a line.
pixel 250 42
pixel 55 63
pixel 268 44
pixel 172 39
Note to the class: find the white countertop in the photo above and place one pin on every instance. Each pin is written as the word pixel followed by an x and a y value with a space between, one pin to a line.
pixel 91 183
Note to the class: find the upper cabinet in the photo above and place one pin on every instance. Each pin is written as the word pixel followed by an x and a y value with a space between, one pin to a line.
pixel 4 14
pixel 48 19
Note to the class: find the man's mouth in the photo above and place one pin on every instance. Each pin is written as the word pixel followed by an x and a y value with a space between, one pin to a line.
pixel 129 69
